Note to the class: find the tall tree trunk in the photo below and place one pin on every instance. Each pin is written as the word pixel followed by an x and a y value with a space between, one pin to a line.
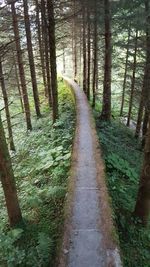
pixel 142 207
pixel 52 44
pixel 145 126
pixel 84 47
pixel 140 111
pixel 95 48
pixel 18 83
pixel 88 52
pixel 140 116
pixel 125 73
pixel 8 182
pixel 31 58
pixel 80 57
pixel 74 42
pixel 5 97
pixel 106 109
pixel 45 41
pixel 133 80
pixel 64 61
pixel 21 68
pixel 41 52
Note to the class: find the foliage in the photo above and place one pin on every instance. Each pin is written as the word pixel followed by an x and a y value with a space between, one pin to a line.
pixel 41 166
pixel 123 158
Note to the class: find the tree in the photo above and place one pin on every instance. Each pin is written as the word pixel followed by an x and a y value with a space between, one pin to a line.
pixel 5 97
pixel 31 58
pixel 95 48
pixel 125 73
pixel 21 67
pixel 46 50
pixel 142 207
pixel 8 182
pixel 52 46
pixel 88 50
pixel 106 108
pixel 41 45
pixel 84 47
pixel 133 79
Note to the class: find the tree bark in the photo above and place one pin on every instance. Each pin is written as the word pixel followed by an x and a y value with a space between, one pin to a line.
pixel 145 127
pixel 140 111
pixel 47 61
pixel 64 61
pixel 74 43
pixel 95 48
pixel 142 207
pixel 125 73
pixel 106 108
pixel 41 52
pixel 88 52
pixel 5 97
pixel 8 182
pixel 84 48
pixel 21 68
pixel 18 83
pixel 31 58
pixel 133 80
pixel 52 45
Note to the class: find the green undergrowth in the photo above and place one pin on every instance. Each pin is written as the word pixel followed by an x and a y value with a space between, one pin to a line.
pixel 41 166
pixel 123 160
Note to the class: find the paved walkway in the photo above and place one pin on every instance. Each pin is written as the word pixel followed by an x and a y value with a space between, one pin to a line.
pixel 85 243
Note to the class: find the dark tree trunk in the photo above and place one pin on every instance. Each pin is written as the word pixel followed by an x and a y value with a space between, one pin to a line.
pixel 21 68
pixel 18 83
pixel 41 52
pixel 145 127
pixel 125 74
pixel 8 182
pixel 80 57
pixel 95 48
pixel 133 80
pixel 140 116
pixel 5 97
pixel 84 48
pixel 140 111
pixel 31 58
pixel 45 41
pixel 106 108
pixel 64 61
pixel 74 43
pixel 52 45
pixel 88 52
pixel 142 207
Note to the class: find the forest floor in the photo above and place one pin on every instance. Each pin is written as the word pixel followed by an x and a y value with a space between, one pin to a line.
pixel 88 239
pixel 41 165
pixel 123 159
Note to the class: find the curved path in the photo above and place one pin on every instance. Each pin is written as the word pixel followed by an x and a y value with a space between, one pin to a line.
pixel 89 233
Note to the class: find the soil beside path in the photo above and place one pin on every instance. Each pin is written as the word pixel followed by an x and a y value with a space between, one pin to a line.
pixel 89 238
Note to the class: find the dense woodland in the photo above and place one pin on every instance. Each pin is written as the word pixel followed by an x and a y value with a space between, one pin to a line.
pixel 104 45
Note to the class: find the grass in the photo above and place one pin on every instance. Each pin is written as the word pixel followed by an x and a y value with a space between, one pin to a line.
pixel 41 166
pixel 123 159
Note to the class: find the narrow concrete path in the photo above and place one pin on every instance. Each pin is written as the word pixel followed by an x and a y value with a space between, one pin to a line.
pixel 85 242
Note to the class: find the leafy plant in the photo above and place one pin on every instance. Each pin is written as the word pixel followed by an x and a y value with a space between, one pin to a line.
pixel 41 166
pixel 123 159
